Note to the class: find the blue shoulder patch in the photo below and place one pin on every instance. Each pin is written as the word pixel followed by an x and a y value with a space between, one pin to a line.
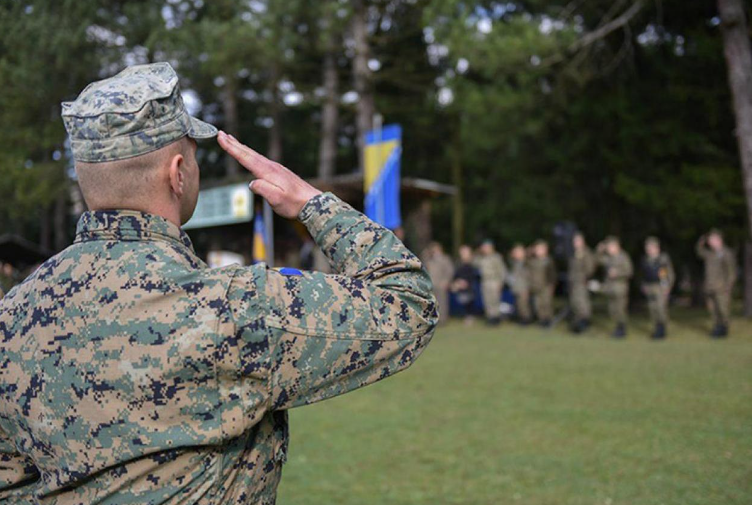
pixel 290 271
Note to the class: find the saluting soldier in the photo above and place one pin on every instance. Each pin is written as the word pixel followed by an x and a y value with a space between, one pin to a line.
pixel 720 276
pixel 580 269
pixel 493 272
pixel 618 271
pixel 542 274
pixel 658 279
pixel 133 373
pixel 520 283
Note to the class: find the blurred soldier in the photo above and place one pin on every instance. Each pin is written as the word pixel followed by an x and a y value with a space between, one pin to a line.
pixel 720 276
pixel 657 281
pixel 618 270
pixel 138 374
pixel 441 270
pixel 493 272
pixel 581 268
pixel 465 283
pixel 520 283
pixel 542 275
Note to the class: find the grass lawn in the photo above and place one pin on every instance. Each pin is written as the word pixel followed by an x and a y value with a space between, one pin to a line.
pixel 530 416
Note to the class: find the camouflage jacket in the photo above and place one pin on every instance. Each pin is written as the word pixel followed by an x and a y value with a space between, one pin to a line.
pixel 581 266
pixel 491 268
pixel 130 373
pixel 542 273
pixel 618 270
pixel 441 270
pixel 720 268
pixel 658 270
pixel 518 277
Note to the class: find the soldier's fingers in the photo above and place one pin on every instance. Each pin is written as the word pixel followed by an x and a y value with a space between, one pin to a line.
pixel 268 191
pixel 258 165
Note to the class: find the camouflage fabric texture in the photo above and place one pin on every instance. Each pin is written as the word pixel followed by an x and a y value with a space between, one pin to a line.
pixel 131 373
pixel 132 113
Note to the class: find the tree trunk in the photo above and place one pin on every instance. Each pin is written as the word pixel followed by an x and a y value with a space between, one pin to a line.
pixel 738 54
pixel 458 180
pixel 362 77
pixel 274 150
pixel 329 119
pixel 230 109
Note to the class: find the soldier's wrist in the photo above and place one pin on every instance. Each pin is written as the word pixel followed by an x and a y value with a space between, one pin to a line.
pixel 318 212
pixel 317 207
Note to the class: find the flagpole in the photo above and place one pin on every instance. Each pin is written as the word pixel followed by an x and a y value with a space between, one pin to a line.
pixel 269 229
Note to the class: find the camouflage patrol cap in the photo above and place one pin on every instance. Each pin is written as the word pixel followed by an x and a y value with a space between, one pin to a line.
pixel 132 113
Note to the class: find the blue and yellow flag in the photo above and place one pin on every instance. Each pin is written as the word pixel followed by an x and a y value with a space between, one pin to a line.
pixel 382 176
pixel 259 238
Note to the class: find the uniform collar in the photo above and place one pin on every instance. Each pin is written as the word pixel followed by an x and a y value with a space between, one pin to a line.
pixel 128 225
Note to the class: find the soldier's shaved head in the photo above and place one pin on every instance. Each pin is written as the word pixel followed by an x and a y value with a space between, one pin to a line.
pixel 140 182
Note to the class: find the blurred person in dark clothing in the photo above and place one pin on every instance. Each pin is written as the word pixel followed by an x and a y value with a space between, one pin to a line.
pixel 465 282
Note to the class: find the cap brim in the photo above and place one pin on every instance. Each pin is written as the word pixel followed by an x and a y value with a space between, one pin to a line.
pixel 201 129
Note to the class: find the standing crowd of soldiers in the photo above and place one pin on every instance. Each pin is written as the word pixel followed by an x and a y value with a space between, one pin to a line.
pixel 532 279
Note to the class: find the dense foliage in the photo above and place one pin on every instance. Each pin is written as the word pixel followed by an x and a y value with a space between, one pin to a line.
pixel 615 115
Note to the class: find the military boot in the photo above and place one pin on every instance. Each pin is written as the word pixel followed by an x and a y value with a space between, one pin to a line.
pixel 719 331
pixel 579 326
pixel 620 331
pixel 660 332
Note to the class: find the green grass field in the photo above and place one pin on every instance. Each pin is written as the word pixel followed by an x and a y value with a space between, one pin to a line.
pixel 530 416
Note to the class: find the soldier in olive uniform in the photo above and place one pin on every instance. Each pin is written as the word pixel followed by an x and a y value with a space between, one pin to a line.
pixel 581 267
pixel 618 271
pixel 519 281
pixel 441 269
pixel 720 276
pixel 657 281
pixel 131 373
pixel 542 275
pixel 493 272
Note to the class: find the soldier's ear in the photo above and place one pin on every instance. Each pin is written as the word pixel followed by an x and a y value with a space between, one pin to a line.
pixel 176 171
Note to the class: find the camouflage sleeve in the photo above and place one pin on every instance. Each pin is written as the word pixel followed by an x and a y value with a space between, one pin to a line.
pixel 17 474
pixel 331 334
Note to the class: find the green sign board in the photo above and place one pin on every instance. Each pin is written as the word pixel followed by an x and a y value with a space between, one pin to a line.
pixel 221 206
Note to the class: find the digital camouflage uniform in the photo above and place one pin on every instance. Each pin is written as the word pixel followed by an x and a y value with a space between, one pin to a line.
pixel 618 271
pixel 720 276
pixel 658 279
pixel 131 373
pixel 581 267
pixel 493 272
pixel 542 275
pixel 518 279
